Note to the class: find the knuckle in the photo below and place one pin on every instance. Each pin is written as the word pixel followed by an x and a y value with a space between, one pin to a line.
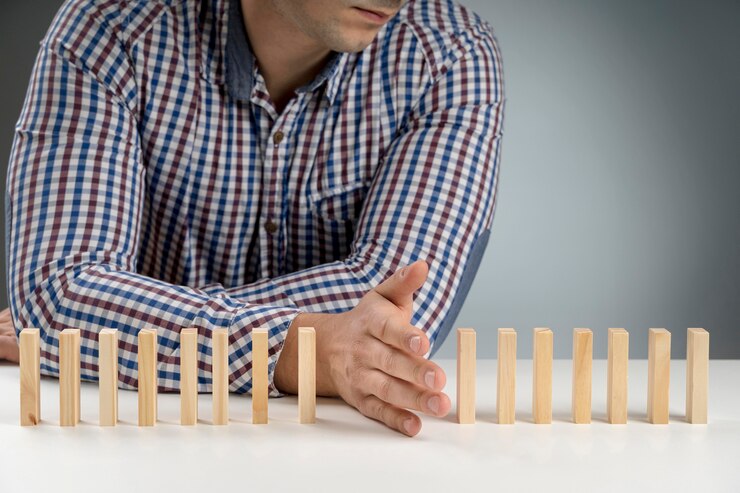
pixel 384 389
pixel 416 373
pixel 356 352
pixel 382 412
pixel 384 329
pixel 419 399
pixel 365 407
pixel 356 379
pixel 390 361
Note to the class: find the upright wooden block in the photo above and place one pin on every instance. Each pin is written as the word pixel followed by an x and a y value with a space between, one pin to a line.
pixel 147 368
pixel 220 341
pixel 108 376
pixel 659 375
pixel 542 376
pixel 189 376
pixel 506 388
pixel 69 377
pixel 307 374
pixel 616 379
pixel 259 376
pixel 697 375
pixel 29 347
pixel 466 360
pixel 582 362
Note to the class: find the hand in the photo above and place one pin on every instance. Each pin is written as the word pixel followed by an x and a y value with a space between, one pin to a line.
pixel 376 358
pixel 8 339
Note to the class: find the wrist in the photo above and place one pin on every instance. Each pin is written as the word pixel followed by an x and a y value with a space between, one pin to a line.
pixel 286 368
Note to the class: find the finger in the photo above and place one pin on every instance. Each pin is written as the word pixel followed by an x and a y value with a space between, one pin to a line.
pixel 5 314
pixel 404 336
pixel 400 287
pixel 414 369
pixel 398 419
pixel 9 349
pixel 406 395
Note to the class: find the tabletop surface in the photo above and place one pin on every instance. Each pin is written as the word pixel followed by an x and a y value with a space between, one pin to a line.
pixel 345 451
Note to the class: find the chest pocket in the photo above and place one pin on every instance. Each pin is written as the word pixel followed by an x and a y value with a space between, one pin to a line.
pixel 339 204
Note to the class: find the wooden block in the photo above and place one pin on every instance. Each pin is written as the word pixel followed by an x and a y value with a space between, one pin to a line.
pixel 616 375
pixel 69 377
pixel 29 347
pixel 188 376
pixel 697 375
pixel 466 361
pixel 147 363
pixel 582 362
pixel 307 374
pixel 542 376
pixel 659 375
pixel 506 388
pixel 108 376
pixel 220 352
pixel 259 376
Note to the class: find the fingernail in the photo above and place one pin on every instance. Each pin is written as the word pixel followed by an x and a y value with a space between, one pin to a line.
pixel 407 424
pixel 429 378
pixel 403 272
pixel 415 343
pixel 433 404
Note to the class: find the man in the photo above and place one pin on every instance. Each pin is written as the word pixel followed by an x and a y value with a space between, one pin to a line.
pixel 259 163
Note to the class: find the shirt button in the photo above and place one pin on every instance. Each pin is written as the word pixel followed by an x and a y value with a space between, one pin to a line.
pixel 270 226
pixel 278 137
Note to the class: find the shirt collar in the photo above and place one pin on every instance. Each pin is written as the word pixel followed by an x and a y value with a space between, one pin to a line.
pixel 239 61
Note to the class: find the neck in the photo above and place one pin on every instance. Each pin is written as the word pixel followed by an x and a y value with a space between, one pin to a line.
pixel 287 58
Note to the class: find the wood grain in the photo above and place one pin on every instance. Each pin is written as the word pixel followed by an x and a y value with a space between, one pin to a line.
pixel 506 378
pixel 259 376
pixel 582 369
pixel 220 341
pixel 616 379
pixel 466 361
pixel 30 374
pixel 697 375
pixel 147 374
pixel 659 375
pixel 108 376
pixel 69 377
pixel 189 376
pixel 307 374
pixel 542 375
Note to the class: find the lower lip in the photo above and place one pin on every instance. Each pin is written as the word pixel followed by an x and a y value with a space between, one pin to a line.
pixel 372 16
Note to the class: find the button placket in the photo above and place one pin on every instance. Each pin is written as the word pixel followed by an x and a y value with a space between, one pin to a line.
pixel 276 160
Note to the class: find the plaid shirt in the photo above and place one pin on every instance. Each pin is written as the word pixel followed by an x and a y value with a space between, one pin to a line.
pixel 152 183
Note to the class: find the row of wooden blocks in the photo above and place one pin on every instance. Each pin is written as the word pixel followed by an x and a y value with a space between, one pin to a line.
pixel 659 356
pixel 659 359
pixel 69 376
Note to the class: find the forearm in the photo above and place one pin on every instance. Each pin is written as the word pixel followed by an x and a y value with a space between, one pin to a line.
pixel 286 368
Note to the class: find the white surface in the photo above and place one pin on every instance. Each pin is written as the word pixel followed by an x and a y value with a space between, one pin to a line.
pixel 345 451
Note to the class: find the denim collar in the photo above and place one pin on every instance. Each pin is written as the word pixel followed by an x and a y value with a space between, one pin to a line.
pixel 239 62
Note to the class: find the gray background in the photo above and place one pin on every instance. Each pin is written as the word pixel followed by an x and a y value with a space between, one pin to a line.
pixel 618 202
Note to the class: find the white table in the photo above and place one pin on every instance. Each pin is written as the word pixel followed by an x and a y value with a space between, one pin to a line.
pixel 345 451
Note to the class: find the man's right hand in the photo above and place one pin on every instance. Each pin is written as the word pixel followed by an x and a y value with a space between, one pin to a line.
pixel 373 358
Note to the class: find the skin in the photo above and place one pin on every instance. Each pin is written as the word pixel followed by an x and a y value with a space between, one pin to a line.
pixel 292 39
pixel 370 356
pixel 366 356
pixel 8 340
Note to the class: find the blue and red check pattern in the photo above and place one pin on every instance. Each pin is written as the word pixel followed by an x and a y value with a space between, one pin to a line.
pixel 153 184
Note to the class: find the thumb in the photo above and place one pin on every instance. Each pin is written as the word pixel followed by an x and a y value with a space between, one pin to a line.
pixel 400 287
